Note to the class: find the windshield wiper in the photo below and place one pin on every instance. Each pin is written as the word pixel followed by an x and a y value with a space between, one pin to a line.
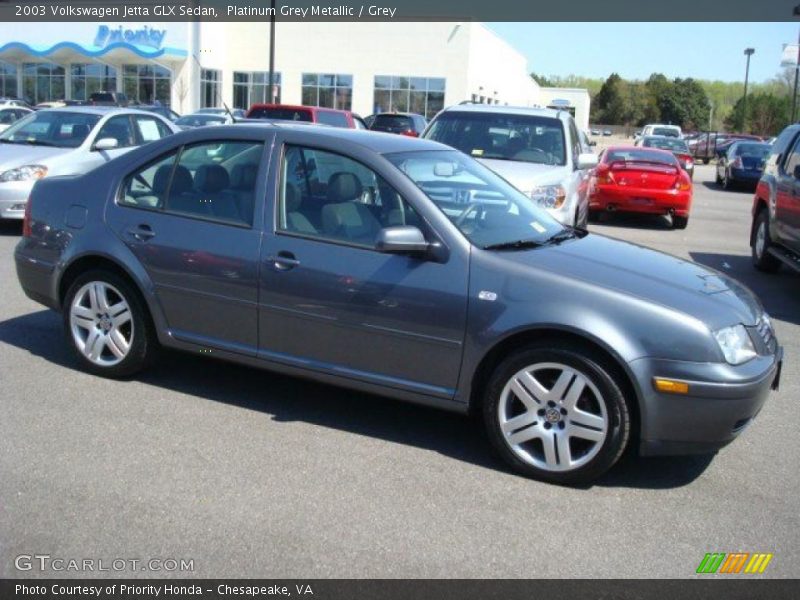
pixel 565 234
pixel 514 245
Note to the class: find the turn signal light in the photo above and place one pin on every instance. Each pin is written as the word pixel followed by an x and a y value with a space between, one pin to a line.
pixel 671 386
pixel 26 223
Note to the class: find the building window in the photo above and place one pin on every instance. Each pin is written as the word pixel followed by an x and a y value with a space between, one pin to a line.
pixel 42 82
pixel 328 90
pixel 90 78
pixel 146 83
pixel 210 88
pixel 8 80
pixel 421 95
pixel 253 88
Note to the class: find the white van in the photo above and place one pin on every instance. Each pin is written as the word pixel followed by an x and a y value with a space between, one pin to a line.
pixel 660 129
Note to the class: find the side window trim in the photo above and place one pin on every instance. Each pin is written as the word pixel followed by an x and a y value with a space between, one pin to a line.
pixel 161 157
pixel 793 148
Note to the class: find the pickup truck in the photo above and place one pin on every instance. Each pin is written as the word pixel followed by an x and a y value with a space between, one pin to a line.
pixel 775 233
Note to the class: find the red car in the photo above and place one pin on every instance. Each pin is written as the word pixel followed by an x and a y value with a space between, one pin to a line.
pixel 308 114
pixel 641 180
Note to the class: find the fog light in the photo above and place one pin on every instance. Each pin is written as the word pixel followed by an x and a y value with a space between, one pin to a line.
pixel 671 386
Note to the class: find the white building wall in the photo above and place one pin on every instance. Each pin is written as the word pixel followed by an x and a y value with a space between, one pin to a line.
pixel 578 99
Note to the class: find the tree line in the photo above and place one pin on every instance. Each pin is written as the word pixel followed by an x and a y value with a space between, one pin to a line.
pixel 694 104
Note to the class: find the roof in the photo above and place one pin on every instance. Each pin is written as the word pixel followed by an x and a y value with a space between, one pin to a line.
pixel 382 143
pixel 298 107
pixel 506 110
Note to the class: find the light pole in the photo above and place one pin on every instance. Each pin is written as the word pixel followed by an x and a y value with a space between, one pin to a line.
pixel 272 55
pixel 748 53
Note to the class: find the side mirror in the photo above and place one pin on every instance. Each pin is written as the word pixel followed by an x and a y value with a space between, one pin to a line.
pixel 401 240
pixel 587 161
pixel 592 143
pixel 105 144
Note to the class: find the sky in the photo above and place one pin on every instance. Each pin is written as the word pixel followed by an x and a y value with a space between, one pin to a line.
pixel 635 50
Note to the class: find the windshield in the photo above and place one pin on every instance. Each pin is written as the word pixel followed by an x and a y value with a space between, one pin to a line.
pixel 521 138
pixel 200 120
pixel 639 155
pixel 282 114
pixel 667 131
pixel 671 144
pixel 753 150
pixel 51 128
pixel 487 209
pixel 392 123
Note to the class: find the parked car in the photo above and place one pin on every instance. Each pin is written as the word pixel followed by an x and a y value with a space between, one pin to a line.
pixel 641 180
pixel 407 269
pixel 672 144
pixel 662 130
pixel 15 102
pixel 595 132
pixel 58 104
pixel 67 141
pixel 607 132
pixel 775 233
pixel 409 124
pixel 159 109
pixel 237 113
pixel 308 114
pixel 742 163
pixel 108 99
pixel 12 114
pixel 202 120
pixel 712 145
pixel 538 150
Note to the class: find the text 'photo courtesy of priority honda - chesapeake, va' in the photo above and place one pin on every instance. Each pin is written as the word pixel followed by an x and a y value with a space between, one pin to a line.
pixel 396 301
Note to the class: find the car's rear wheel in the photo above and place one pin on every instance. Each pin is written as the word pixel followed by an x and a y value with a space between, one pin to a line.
pixel 556 413
pixel 717 178
pixel 106 325
pixel 762 259
pixel 679 222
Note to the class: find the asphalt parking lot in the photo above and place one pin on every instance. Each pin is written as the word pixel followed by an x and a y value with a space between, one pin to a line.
pixel 252 474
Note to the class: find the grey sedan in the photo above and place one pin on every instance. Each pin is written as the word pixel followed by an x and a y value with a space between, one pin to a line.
pixel 401 267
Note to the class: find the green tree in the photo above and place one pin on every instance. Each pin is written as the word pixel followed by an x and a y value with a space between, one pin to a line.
pixel 766 114
pixel 542 80
pixel 685 103
pixel 610 101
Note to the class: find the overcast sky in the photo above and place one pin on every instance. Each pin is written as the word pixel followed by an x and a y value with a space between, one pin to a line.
pixel 634 50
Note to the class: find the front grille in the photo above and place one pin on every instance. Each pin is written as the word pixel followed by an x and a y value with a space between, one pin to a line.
pixel 765 336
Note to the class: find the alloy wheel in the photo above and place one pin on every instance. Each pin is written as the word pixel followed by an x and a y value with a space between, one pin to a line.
pixel 761 239
pixel 101 323
pixel 553 417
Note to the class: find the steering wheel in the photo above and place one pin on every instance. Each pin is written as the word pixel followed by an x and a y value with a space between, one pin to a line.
pixel 459 220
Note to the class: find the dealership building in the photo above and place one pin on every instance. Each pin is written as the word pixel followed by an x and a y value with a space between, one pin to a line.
pixel 364 67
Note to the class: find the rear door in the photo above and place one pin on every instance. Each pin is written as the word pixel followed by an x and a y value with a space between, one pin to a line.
pixel 188 216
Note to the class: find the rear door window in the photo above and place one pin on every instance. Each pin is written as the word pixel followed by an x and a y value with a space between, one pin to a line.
pixel 118 128
pixel 332 118
pixel 150 129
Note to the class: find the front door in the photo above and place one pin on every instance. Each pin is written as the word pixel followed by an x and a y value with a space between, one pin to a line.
pixel 188 217
pixel 330 302
pixel 787 201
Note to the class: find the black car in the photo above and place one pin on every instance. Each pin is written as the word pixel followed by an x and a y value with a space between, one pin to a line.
pixel 410 124
pixel 742 164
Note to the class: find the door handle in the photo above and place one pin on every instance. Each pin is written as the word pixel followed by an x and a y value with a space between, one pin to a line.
pixel 284 261
pixel 141 232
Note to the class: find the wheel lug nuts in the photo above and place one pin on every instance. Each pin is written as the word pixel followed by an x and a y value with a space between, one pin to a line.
pixel 551 404
pixel 563 411
pixel 561 425
pixel 541 412
pixel 547 425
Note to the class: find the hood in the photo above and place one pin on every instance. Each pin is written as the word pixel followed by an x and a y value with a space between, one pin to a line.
pixel 17 155
pixel 705 294
pixel 524 175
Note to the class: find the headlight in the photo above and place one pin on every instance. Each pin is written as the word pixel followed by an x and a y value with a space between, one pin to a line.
pixel 549 196
pixel 735 343
pixel 25 173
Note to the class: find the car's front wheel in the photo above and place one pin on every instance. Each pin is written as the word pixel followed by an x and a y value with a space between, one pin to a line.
pixel 762 259
pixel 106 325
pixel 557 413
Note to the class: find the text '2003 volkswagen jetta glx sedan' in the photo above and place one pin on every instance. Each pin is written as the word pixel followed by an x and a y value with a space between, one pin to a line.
pixel 401 267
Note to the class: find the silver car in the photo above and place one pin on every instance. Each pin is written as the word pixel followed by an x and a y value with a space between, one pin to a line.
pixel 539 151
pixel 68 141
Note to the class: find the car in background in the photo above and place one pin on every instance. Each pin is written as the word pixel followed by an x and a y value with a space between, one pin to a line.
pixel 742 163
pixel 538 150
pixel 11 114
pixel 108 99
pixel 410 124
pixel 595 132
pixel 712 145
pixel 775 232
pixel 661 129
pixel 159 109
pixel 675 145
pixel 237 113
pixel 68 141
pixel 202 120
pixel 634 179
pixel 14 102
pixel 307 114
pixel 58 104
pixel 607 133
pixel 408 269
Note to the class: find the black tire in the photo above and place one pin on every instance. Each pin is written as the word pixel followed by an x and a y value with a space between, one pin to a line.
pixel 143 342
pixel 717 178
pixel 763 261
pixel 706 161
pixel 595 368
pixel 679 222
pixel 592 216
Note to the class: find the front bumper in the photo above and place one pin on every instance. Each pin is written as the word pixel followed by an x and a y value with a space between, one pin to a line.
pixel 721 402
pixel 13 198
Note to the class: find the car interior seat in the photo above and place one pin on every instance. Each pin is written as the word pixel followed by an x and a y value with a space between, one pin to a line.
pixel 344 216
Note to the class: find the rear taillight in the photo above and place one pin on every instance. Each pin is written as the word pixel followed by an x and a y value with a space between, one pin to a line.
pixel 410 133
pixel 603 175
pixel 686 160
pixel 26 223
pixel 737 163
pixel 683 184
